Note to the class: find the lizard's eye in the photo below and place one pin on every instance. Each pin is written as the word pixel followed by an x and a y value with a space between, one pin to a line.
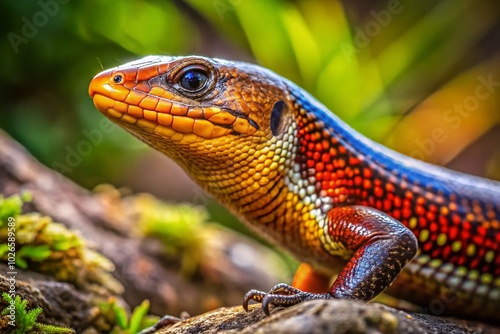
pixel 193 80
pixel 118 78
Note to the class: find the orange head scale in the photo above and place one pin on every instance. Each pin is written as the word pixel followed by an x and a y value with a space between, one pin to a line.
pixel 224 122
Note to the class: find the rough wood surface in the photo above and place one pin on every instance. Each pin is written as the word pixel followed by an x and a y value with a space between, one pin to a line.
pixel 62 303
pixel 321 317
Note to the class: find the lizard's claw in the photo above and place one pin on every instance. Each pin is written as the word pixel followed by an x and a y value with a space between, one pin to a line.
pixel 281 295
pixel 253 294
pixel 166 321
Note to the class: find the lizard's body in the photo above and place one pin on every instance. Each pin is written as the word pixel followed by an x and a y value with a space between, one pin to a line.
pixel 301 177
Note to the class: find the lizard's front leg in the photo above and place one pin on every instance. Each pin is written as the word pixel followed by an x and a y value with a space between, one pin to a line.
pixel 380 247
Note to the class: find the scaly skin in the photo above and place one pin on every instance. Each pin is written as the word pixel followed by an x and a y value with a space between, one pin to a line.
pixel 298 175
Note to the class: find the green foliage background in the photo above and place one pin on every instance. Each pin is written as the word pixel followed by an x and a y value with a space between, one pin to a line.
pixel 388 68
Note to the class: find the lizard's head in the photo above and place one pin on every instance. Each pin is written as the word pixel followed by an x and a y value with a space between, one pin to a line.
pixel 198 110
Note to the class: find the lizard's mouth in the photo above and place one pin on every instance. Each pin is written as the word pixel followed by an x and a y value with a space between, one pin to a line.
pixel 119 96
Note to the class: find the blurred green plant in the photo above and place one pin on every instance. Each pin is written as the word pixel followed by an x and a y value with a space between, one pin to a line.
pixel 182 229
pixel 123 323
pixel 12 206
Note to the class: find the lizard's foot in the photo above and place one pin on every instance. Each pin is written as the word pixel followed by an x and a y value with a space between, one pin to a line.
pixel 166 321
pixel 281 295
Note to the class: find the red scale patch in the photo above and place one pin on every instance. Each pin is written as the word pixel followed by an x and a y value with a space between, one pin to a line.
pixel 481 230
pixel 436 253
pixel 478 240
pixel 325 158
pixel 422 223
pixel 367 173
pixel 453 232
pixel 474 263
pixel 406 213
pixel 444 228
pixel 446 252
pixel 419 210
pixel 378 191
pixel 456 219
pixel 358 180
pixel 430 216
pixel 443 220
pixel 427 247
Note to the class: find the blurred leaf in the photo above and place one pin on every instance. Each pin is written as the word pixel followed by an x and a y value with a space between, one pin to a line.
pixel 142 27
pixel 303 43
pixel 120 316
pixel 137 316
pixel 446 122
pixel 267 36
pixel 10 207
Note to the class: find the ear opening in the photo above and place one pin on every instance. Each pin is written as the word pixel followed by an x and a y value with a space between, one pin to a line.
pixel 278 115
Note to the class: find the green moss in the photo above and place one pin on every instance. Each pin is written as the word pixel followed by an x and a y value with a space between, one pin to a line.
pixel 25 320
pixel 11 207
pixel 43 245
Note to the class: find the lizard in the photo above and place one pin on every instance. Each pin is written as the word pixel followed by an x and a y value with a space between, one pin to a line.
pixel 301 177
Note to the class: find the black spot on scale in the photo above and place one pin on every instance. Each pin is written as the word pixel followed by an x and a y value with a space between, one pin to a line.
pixel 276 118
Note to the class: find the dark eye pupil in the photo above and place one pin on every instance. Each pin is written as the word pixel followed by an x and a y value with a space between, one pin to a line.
pixel 193 80
pixel 117 78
